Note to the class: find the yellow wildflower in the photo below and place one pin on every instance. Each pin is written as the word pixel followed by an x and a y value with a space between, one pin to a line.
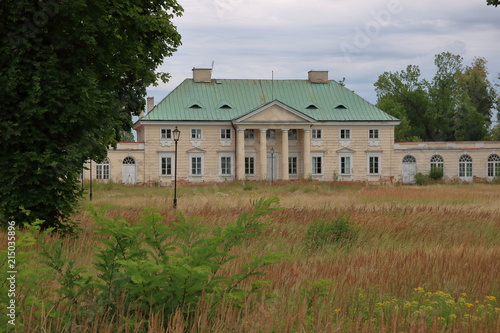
pixel 336 310
pixel 464 294
pixel 419 289
pixel 491 298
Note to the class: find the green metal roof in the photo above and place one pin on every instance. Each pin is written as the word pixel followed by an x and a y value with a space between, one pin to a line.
pixel 230 99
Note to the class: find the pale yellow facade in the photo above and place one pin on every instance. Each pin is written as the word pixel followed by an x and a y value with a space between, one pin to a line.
pixel 274 153
pixel 277 142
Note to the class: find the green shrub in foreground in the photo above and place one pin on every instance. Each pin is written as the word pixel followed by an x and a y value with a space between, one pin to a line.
pixel 326 232
pixel 139 270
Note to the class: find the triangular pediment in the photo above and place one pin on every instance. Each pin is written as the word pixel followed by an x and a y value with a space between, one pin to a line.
pixel 275 112
pixel 345 151
pixel 196 150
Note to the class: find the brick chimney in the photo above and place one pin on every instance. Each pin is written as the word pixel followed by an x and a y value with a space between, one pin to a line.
pixel 203 75
pixel 318 76
pixel 150 104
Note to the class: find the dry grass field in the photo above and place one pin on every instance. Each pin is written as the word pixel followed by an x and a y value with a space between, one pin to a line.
pixel 427 258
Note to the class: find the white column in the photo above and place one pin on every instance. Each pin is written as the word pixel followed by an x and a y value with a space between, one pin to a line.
pixel 284 154
pixel 240 154
pixel 263 155
pixel 307 152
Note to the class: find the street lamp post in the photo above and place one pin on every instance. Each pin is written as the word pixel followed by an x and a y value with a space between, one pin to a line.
pixel 90 184
pixel 272 165
pixel 176 133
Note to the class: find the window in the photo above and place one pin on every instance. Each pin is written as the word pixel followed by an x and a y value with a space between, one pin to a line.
pixel 249 134
pixel 345 134
pixel 196 166
pixel 166 166
pixel 316 133
pixel 271 134
pixel 373 165
pixel 317 165
pixel 249 165
pixel 465 166
pixel 373 134
pixel 166 133
pixel 102 169
pixel 225 165
pixel 292 165
pixel 195 133
pixel 128 160
pixel 437 162
pixel 494 166
pixel 225 133
pixel 345 165
pixel 292 134
pixel 409 159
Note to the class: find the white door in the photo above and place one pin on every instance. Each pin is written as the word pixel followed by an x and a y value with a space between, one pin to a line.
pixel 409 169
pixel 128 171
pixel 272 167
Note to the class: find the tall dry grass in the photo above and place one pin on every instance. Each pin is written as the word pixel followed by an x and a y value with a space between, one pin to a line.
pixel 440 238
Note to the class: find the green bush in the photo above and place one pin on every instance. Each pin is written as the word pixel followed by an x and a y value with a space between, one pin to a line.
pixel 421 179
pixel 141 270
pixel 436 173
pixel 326 232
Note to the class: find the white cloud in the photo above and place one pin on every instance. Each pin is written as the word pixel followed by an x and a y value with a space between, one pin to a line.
pixel 358 40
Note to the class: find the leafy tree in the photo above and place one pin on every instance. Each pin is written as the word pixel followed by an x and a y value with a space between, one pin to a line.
pixel 127 136
pixel 455 105
pixel 442 91
pixel 71 75
pixel 493 2
pixel 474 81
pixel 403 95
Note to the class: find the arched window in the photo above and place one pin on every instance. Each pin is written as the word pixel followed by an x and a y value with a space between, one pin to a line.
pixel 409 159
pixel 437 162
pixel 494 166
pixel 465 166
pixel 128 160
pixel 102 169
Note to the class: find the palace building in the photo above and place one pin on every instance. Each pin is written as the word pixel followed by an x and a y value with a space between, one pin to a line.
pixel 315 128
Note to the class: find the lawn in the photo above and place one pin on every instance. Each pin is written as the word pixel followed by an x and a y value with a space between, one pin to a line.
pixel 425 259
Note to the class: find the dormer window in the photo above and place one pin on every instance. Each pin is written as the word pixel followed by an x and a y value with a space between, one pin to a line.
pixel 225 106
pixel 195 106
pixel 341 106
pixel 312 107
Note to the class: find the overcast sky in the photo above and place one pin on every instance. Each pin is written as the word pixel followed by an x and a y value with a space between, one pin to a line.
pixel 358 40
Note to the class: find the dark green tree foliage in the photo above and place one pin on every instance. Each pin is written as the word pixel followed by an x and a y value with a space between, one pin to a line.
pixel 404 96
pixel 456 104
pixel 493 2
pixel 71 75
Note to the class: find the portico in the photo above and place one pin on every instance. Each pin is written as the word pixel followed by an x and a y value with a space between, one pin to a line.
pixel 274 125
pixel 279 139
